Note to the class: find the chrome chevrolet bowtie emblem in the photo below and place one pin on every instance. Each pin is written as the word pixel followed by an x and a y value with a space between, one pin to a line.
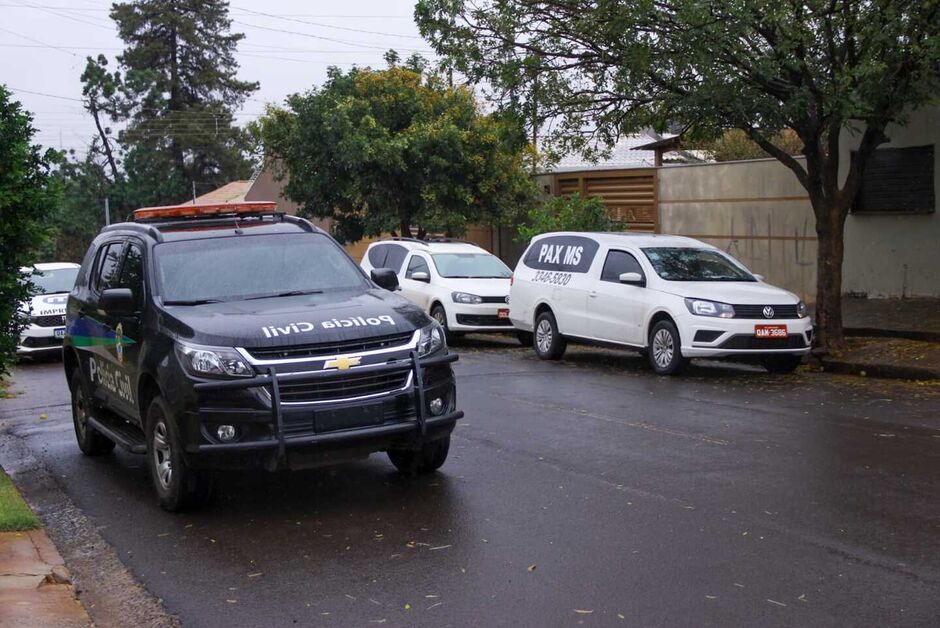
pixel 768 311
pixel 342 363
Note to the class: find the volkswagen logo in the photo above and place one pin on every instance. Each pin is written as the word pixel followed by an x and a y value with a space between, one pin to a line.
pixel 507 299
pixel 768 311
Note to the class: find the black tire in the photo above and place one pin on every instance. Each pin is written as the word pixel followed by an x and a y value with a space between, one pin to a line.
pixel 665 349
pixel 90 441
pixel 438 314
pixel 425 460
pixel 782 364
pixel 548 342
pixel 526 338
pixel 177 486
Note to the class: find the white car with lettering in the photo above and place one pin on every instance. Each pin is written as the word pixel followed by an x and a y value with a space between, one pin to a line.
pixel 671 297
pixel 46 310
pixel 462 286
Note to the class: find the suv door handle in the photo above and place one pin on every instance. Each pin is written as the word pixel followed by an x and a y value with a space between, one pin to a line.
pixel 592 294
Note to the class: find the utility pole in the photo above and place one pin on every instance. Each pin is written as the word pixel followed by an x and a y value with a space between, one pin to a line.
pixel 107 211
pixel 194 192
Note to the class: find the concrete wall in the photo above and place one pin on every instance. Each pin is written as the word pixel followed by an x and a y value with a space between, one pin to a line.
pixel 895 255
pixel 756 210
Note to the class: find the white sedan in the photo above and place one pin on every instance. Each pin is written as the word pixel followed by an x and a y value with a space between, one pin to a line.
pixel 46 310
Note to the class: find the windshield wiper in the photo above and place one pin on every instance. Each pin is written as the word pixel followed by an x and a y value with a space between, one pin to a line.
pixel 289 293
pixel 192 301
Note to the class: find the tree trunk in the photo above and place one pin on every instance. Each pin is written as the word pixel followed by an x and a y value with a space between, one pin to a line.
pixel 405 227
pixel 830 226
pixel 105 144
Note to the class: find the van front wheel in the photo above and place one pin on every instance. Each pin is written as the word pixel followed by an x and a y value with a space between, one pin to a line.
pixel 549 343
pixel 665 349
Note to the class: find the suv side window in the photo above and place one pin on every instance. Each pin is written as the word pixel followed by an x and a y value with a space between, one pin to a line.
pixel 108 266
pixel 387 256
pixel 132 273
pixel 377 255
pixel 417 264
pixel 617 263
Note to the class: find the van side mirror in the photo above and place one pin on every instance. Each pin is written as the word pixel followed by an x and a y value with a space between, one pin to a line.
pixel 118 302
pixel 633 279
pixel 421 276
pixel 385 278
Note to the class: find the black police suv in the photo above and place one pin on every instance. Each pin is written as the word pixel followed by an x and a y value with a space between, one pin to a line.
pixel 235 336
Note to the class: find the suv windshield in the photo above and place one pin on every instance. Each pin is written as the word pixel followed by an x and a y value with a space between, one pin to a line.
pixel 686 264
pixel 53 281
pixel 244 267
pixel 470 266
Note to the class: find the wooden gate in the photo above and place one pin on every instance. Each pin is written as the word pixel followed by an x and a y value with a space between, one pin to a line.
pixel 631 196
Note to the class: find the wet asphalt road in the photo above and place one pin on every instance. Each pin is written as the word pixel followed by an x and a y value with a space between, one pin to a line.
pixel 588 491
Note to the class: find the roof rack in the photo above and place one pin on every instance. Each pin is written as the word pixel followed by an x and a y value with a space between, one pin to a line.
pixel 404 239
pixel 450 241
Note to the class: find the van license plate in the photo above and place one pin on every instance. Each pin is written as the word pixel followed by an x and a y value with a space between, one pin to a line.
pixel 502 313
pixel 59 332
pixel 349 417
pixel 770 331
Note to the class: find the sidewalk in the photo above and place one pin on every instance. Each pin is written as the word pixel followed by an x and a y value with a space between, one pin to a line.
pixel 35 586
pixel 892 338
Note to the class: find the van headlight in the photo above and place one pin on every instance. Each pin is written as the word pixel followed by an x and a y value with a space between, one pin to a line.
pixel 801 310
pixel 212 361
pixel 431 340
pixel 701 307
pixel 466 298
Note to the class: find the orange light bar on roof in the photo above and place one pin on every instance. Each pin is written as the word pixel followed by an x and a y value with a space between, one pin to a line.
pixel 206 209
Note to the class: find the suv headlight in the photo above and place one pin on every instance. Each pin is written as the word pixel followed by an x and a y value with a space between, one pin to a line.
pixel 701 307
pixel 431 340
pixel 466 297
pixel 212 361
pixel 801 310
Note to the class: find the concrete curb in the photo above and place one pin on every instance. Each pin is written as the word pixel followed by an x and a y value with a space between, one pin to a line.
pixel 886 371
pixel 877 332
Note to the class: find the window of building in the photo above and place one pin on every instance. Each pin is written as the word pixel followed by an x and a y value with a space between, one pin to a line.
pixel 898 180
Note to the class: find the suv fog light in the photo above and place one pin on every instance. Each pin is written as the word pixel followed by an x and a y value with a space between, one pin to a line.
pixel 436 405
pixel 226 433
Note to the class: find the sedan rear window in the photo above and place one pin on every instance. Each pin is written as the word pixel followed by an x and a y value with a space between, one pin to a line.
pixel 691 264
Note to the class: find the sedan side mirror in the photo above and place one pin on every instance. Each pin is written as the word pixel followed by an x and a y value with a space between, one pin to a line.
pixel 421 276
pixel 633 279
pixel 118 302
pixel 385 278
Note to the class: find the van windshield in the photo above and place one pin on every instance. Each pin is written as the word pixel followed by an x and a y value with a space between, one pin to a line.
pixel 470 266
pixel 690 264
pixel 253 267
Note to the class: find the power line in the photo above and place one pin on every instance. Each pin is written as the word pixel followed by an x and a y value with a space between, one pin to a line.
pixel 33 39
pixel 26 91
pixel 320 37
pixel 322 25
pixel 64 15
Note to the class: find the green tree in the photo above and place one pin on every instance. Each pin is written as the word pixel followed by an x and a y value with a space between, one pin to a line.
pixel 567 213
pixel 28 193
pixel 735 145
pixel 599 68
pixel 385 151
pixel 175 94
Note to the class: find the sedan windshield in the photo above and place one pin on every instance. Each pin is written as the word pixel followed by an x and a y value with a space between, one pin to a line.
pixel 54 281
pixel 470 266
pixel 687 264
pixel 253 267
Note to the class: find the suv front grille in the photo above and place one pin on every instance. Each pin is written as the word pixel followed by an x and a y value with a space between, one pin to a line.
pixel 347 387
pixel 757 311
pixel 330 348
pixel 54 320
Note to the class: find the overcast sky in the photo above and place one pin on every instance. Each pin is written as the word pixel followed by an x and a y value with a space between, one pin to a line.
pixel 44 43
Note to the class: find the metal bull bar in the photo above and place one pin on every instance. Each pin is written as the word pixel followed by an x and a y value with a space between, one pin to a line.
pixel 271 380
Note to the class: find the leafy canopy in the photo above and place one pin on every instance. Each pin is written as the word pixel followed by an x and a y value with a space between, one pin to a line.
pixel 567 213
pixel 385 151
pixel 27 195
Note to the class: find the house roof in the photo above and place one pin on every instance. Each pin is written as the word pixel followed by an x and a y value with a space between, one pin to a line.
pixel 622 155
pixel 231 192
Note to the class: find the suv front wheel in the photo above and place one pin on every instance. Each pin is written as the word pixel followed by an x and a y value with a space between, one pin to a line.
pixel 178 487
pixel 425 460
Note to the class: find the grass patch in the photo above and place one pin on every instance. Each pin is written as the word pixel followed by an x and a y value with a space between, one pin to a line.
pixel 14 513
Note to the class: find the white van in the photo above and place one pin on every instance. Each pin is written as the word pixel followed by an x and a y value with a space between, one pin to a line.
pixel 672 297
pixel 462 286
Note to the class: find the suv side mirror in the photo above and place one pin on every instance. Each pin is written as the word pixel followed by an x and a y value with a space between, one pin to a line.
pixel 421 276
pixel 633 279
pixel 118 302
pixel 385 278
